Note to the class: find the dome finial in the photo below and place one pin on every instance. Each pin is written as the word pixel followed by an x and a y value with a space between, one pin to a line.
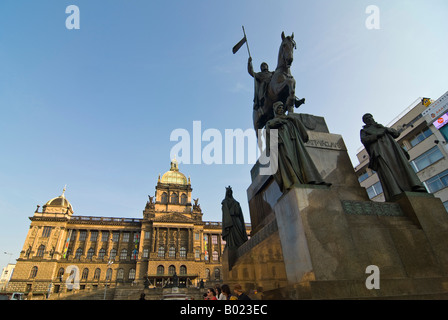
pixel 63 191
pixel 174 165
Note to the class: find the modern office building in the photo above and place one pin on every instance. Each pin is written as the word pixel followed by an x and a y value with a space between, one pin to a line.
pixel 6 275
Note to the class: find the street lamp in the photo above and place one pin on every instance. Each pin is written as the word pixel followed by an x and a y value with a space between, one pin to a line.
pixel 105 288
pixel 10 255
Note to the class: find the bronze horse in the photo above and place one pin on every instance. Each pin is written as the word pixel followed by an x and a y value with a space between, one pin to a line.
pixel 281 86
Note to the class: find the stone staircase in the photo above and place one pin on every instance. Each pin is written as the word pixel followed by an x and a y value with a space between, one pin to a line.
pixel 97 294
pixel 125 292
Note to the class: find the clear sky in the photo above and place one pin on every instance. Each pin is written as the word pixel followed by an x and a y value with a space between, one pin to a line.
pixel 94 108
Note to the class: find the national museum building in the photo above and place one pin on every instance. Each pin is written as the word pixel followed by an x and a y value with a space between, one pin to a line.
pixel 170 238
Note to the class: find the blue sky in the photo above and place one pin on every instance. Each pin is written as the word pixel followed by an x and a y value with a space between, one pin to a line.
pixel 94 108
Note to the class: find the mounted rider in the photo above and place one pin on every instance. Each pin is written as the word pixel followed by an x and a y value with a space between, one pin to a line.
pixel 261 83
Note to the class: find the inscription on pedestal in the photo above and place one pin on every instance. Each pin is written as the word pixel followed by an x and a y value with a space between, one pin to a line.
pixel 371 208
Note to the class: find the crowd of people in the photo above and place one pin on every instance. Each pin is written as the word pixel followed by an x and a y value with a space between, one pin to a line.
pixel 223 293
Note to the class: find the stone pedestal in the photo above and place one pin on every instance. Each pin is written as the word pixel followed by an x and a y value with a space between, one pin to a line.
pixel 316 242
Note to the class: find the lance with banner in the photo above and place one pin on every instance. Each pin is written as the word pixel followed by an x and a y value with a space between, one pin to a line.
pixel 241 43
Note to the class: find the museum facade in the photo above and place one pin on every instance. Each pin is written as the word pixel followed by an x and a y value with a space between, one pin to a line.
pixel 63 251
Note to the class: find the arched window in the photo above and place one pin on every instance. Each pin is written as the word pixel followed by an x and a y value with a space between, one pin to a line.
pixel 172 252
pixel 113 254
pixel 101 253
pixel 164 198
pixel 123 254
pixel 171 269
pixel 160 269
pixel 215 255
pixel 109 274
pixel 183 270
pixel 85 274
pixel 131 274
pixel 60 274
pixel 33 272
pixel 40 251
pixel 217 274
pixel 174 198
pixel 161 252
pixel 120 274
pixel 78 253
pixel 182 252
pixel 183 198
pixel 90 253
pixel 97 274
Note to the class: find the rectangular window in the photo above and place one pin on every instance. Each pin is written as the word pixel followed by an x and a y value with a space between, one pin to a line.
pixel 197 236
pixel 374 190
pixel 214 239
pixel 363 176
pixel 82 235
pixel 426 159
pixel 125 236
pixel 104 236
pixel 136 236
pixel 420 137
pixel 145 253
pixel 437 182
pixel 46 232
pixel 147 235
pixel 116 236
pixel 93 236
pixel 197 254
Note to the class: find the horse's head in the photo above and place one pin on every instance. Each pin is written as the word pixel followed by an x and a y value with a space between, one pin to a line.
pixel 286 52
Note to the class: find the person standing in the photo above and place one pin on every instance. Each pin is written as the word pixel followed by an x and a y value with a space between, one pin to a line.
pixel 238 290
pixel 226 293
pixel 219 294
pixel 211 294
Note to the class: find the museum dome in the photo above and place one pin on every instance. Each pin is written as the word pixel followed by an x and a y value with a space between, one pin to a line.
pixel 60 201
pixel 174 176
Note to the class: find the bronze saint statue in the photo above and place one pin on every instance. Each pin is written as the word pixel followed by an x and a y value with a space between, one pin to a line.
pixel 261 82
pixel 279 85
pixel 295 165
pixel 388 159
pixel 233 227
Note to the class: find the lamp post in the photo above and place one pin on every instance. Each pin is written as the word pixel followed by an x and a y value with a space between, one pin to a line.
pixel 10 255
pixel 105 288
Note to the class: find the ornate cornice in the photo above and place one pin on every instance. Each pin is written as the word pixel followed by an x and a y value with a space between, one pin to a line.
pixel 105 221
pixel 174 217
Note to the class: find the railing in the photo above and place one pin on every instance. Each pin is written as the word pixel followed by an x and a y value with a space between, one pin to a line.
pixel 105 219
